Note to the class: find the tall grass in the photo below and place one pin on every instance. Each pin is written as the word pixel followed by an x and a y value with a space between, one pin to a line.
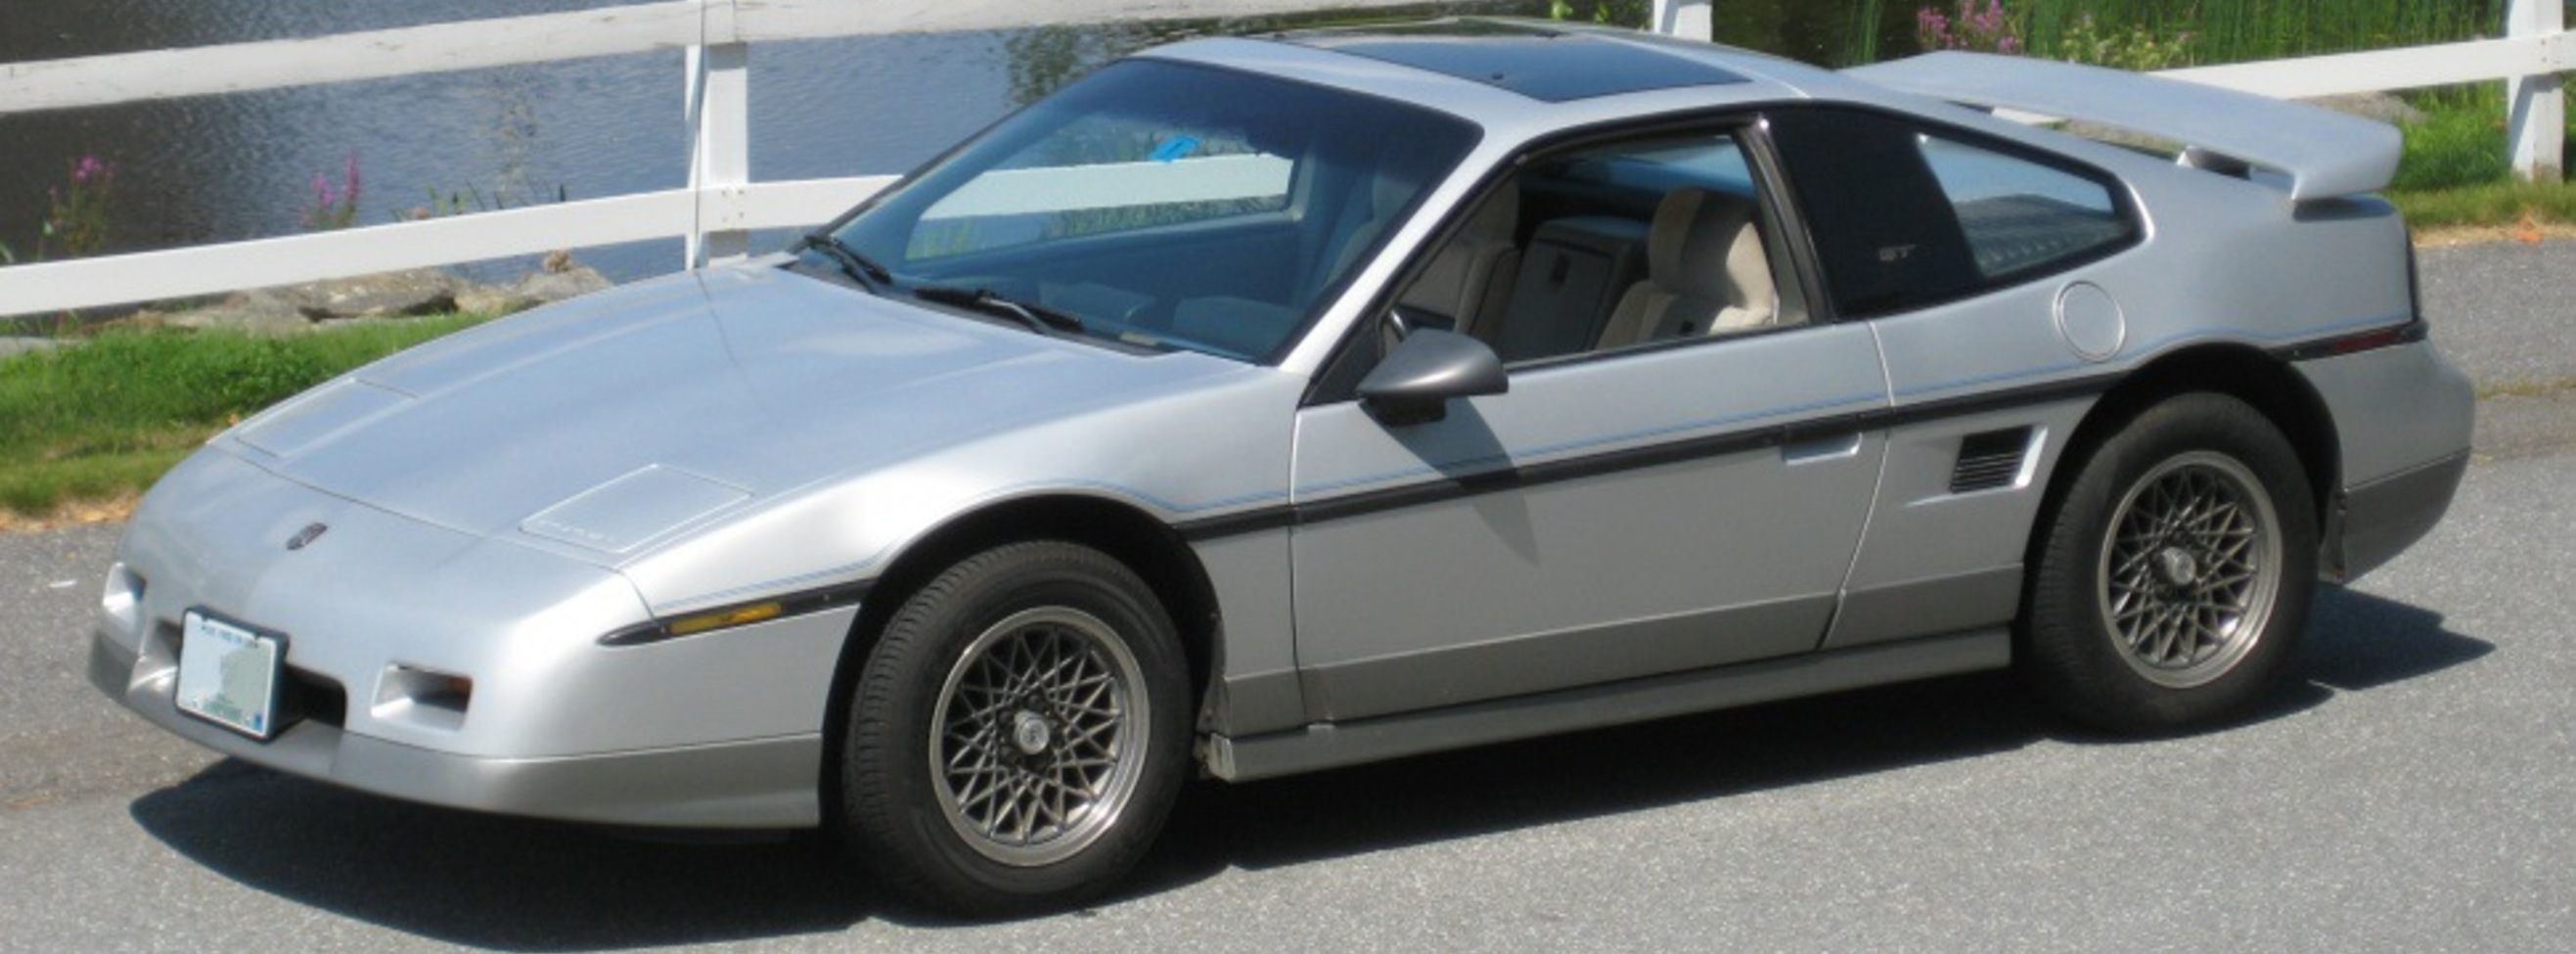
pixel 2227 31
pixel 1869 22
pixel 1845 32
pixel 2459 142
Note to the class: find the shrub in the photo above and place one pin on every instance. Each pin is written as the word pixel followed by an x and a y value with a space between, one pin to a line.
pixel 2137 48
pixel 1988 30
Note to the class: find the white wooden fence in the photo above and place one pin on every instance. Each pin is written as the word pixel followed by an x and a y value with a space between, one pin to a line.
pixel 720 206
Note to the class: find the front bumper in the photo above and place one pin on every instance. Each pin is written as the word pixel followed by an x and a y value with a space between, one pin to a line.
pixel 720 730
pixel 766 783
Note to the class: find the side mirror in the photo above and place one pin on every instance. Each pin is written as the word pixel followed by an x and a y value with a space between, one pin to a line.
pixel 1414 383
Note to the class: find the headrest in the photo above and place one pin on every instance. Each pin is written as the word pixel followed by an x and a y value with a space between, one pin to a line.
pixel 1704 246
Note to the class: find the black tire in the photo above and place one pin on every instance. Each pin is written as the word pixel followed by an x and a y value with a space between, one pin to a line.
pixel 1039 667
pixel 2174 575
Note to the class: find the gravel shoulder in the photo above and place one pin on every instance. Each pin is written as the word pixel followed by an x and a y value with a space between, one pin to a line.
pixel 2505 312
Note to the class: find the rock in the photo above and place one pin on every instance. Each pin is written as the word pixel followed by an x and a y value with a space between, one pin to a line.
pixel 266 311
pixel 388 296
pixel 548 287
pixel 420 291
pixel 562 281
pixel 492 300
pixel 2385 107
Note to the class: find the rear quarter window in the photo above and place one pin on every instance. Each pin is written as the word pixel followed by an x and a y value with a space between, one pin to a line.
pixel 2021 217
pixel 1904 215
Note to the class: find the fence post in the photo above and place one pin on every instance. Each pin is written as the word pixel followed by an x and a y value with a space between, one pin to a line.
pixel 1687 19
pixel 718 105
pixel 2536 106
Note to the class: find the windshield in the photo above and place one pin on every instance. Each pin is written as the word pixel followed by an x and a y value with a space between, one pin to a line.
pixel 1165 205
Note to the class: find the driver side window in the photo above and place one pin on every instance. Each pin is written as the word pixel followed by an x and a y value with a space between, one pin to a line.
pixel 1633 243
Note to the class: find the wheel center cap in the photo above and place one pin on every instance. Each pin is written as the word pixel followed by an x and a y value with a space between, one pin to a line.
pixel 2176 566
pixel 1029 732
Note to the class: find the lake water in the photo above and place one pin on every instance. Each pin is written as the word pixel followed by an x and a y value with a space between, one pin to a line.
pixel 223 168
pixel 243 166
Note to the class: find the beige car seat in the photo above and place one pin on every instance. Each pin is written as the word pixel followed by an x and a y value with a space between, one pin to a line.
pixel 1706 273
pixel 1471 276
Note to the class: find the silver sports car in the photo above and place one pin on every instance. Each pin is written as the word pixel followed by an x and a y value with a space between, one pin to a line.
pixel 1258 406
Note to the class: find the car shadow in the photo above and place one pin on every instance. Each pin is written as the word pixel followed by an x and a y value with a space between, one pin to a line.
pixel 2355 642
pixel 515 884
pixel 494 882
pixel 2358 642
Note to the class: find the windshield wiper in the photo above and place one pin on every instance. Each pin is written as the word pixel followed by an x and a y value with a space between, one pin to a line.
pixel 860 268
pixel 1039 318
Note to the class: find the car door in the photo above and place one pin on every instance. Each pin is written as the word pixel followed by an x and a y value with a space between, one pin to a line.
pixel 1654 493
pixel 1980 265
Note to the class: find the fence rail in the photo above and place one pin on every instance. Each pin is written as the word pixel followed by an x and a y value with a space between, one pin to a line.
pixel 721 205
pixel 548 37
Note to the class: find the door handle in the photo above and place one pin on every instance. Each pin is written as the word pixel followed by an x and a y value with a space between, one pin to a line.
pixel 1835 447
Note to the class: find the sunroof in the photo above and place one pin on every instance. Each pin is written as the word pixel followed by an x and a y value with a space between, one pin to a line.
pixel 1555 67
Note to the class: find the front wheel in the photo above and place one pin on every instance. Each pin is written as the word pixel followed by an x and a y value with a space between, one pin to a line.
pixel 1019 732
pixel 2175 574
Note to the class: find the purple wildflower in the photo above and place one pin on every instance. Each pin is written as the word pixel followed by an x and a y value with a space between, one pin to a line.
pixel 1970 27
pixel 91 169
pixel 334 208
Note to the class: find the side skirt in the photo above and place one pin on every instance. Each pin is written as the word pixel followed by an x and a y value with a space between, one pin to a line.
pixel 1333 745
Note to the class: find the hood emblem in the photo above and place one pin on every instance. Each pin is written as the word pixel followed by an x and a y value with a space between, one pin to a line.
pixel 310 533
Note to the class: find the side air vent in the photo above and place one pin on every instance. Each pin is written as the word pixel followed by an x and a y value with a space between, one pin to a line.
pixel 1989 459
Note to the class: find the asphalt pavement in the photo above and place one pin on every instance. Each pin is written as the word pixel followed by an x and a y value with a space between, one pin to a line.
pixel 2412 789
pixel 2506 312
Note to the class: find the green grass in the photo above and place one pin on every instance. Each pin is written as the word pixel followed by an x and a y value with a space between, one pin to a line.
pixel 2453 149
pixel 2490 204
pixel 108 417
pixel 2455 171
pixel 2460 141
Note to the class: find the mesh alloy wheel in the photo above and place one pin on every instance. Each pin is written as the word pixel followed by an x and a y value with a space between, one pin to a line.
pixel 2174 569
pixel 1039 736
pixel 2190 569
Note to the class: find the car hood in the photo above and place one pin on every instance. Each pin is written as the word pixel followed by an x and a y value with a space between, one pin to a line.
pixel 621 418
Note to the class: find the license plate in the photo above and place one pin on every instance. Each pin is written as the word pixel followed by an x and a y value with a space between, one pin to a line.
pixel 228 674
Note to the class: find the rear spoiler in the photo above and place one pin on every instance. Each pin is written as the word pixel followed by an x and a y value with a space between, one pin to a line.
pixel 2325 153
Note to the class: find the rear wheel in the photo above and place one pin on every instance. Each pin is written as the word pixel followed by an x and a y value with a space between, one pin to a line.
pixel 1019 732
pixel 2175 574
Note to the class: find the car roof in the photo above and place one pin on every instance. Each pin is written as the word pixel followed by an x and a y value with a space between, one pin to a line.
pixel 1503 72
pixel 1524 58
